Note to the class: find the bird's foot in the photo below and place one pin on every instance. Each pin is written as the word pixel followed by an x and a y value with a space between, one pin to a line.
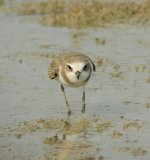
pixel 69 112
pixel 83 108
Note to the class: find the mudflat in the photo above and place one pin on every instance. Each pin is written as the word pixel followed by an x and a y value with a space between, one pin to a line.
pixel 33 118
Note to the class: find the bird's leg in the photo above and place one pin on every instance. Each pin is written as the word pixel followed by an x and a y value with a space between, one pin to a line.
pixel 83 101
pixel 63 90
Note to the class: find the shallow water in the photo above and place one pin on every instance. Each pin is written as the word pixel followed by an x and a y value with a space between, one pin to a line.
pixel 32 109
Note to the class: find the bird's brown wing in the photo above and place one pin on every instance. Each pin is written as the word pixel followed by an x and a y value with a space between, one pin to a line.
pixel 53 69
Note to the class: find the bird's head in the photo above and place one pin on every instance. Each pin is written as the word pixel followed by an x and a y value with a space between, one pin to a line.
pixel 78 72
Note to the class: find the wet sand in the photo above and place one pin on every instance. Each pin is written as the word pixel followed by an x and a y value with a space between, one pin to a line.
pixel 83 14
pixel 33 119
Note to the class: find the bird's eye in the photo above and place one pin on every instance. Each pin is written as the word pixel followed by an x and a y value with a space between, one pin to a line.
pixel 69 68
pixel 85 67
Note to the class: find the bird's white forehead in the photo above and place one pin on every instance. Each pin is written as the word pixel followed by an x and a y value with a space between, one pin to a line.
pixel 77 66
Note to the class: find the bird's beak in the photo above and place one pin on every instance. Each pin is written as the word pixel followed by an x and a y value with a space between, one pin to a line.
pixel 78 74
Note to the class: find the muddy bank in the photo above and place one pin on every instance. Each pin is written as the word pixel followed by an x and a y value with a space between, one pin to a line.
pixel 77 139
pixel 82 14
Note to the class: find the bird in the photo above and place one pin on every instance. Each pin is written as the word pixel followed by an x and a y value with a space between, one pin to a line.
pixel 72 70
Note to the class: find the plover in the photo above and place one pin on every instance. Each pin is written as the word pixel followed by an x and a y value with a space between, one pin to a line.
pixel 73 70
